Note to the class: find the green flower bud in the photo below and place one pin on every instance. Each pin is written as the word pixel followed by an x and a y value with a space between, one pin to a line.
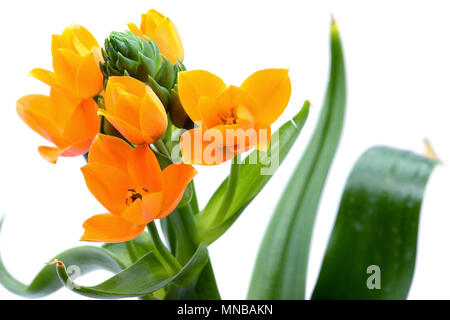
pixel 127 54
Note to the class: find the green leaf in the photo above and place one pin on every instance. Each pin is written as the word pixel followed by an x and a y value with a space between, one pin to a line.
pixel 86 258
pixel 145 276
pixel 142 244
pixel 280 270
pixel 254 174
pixel 376 225
pixel 176 227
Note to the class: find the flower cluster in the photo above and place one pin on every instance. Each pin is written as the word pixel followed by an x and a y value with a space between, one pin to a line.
pixel 121 105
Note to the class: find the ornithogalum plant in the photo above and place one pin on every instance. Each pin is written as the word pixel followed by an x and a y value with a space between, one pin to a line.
pixel 142 121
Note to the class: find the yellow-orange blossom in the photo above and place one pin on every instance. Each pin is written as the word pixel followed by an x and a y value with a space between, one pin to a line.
pixel 246 112
pixel 134 110
pixel 76 55
pixel 161 30
pixel 68 117
pixel 131 186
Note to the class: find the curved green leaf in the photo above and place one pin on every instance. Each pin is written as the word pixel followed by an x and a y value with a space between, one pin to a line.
pixel 280 270
pixel 145 276
pixel 254 174
pixel 85 258
pixel 142 245
pixel 376 227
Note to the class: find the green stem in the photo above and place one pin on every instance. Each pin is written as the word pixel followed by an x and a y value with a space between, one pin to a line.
pixel 162 148
pixel 194 201
pixel 132 251
pixel 187 217
pixel 231 190
pixel 162 250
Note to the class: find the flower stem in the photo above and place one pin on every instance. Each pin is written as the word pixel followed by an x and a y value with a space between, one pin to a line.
pixel 132 251
pixel 231 190
pixel 194 200
pixel 162 148
pixel 162 250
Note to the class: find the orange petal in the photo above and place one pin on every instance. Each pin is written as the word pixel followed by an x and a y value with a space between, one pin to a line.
pixel 62 41
pixel 161 30
pixel 128 84
pixel 77 149
pixel 45 76
pixel 194 84
pixel 234 96
pixel 201 149
pixel 97 52
pixel 108 184
pixel 272 88
pixel 144 170
pixel 130 132
pixel 127 107
pixel 176 177
pixel 66 63
pixel 51 154
pixel 83 37
pixel 84 122
pixel 153 117
pixel 245 117
pixel 209 116
pixel 29 109
pixel 110 228
pixel 38 112
pixel 264 136
pixel 141 212
pixel 75 38
pixel 111 151
pixel 62 107
pixel 89 78
pixel 134 29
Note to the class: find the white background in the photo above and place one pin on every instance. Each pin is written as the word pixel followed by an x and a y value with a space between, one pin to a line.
pixel 398 63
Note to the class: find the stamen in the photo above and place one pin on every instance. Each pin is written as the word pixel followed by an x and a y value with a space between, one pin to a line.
pixel 228 118
pixel 133 195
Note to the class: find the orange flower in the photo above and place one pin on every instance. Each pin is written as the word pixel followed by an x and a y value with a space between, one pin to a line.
pixel 76 56
pixel 129 183
pixel 70 124
pixel 161 30
pixel 231 119
pixel 134 110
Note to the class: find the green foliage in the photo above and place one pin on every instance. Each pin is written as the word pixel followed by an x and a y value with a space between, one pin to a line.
pixel 280 270
pixel 376 225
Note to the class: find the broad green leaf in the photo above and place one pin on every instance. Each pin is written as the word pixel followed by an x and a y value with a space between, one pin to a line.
pixel 85 259
pixel 375 235
pixel 254 174
pixel 145 276
pixel 280 270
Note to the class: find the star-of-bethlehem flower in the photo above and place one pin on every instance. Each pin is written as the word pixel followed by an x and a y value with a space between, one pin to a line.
pixel 68 117
pixel 76 55
pixel 68 123
pixel 160 29
pixel 245 113
pixel 134 110
pixel 131 186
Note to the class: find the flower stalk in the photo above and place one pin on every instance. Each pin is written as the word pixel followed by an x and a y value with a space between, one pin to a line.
pixel 230 192
pixel 164 255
